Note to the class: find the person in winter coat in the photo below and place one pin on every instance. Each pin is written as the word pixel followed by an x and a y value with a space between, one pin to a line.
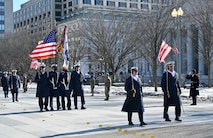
pixel 54 90
pixel 76 83
pixel 92 85
pixel 14 83
pixel 171 89
pixel 65 88
pixel 5 84
pixel 107 83
pixel 194 85
pixel 43 87
pixel 134 98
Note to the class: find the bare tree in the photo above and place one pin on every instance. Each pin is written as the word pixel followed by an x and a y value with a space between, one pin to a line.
pixel 111 37
pixel 201 14
pixel 156 26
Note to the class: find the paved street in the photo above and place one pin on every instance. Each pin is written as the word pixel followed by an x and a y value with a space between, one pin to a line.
pixel 101 119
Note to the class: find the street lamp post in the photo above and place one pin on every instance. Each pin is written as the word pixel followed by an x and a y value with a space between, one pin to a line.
pixel 177 14
pixel 101 60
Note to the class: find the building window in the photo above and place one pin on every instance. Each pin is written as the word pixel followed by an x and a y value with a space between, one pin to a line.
pixel 111 3
pixel 155 7
pixel 75 2
pixel 155 1
pixel 65 5
pixel 144 1
pixel 133 5
pixel 98 2
pixel 70 3
pixel 145 6
pixel 86 1
pixel 121 4
pixel 58 6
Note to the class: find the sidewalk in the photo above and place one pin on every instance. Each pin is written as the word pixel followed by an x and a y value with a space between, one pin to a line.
pixel 100 119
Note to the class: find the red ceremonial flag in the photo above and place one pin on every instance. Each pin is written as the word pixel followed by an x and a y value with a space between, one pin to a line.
pixel 164 51
pixel 60 45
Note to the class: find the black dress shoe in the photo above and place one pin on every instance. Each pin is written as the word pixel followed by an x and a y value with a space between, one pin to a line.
pixel 83 107
pixel 52 109
pixel 143 123
pixel 76 107
pixel 131 124
pixel 46 109
pixel 177 119
pixel 167 120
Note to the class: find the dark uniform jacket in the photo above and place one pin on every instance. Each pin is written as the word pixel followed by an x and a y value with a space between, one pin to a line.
pixel 194 85
pixel 14 83
pixel 5 83
pixel 43 84
pixel 76 82
pixel 169 84
pixel 64 84
pixel 53 78
pixel 133 104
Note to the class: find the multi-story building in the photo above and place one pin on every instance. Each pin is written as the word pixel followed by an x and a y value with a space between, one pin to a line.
pixel 6 17
pixel 75 10
pixel 37 16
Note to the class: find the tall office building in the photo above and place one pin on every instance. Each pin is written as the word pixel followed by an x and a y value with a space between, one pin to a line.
pixel 6 17
pixel 37 16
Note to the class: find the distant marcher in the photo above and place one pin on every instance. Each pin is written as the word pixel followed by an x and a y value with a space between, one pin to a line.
pixel 134 98
pixel 107 84
pixel 171 89
pixel 54 83
pixel 65 88
pixel 76 83
pixel 194 86
pixel 92 85
pixel 25 82
pixel 14 83
pixel 43 90
pixel 5 84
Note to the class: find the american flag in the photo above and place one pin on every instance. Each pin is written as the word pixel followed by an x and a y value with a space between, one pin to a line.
pixel 51 37
pixel 164 51
pixel 45 50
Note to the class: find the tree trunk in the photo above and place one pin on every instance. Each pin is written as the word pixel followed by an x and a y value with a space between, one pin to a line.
pixel 209 75
pixel 155 83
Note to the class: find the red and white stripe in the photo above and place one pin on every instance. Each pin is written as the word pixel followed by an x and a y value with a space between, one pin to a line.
pixel 164 51
pixel 44 51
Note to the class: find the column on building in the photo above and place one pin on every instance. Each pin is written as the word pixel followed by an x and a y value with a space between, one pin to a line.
pixel 92 2
pixel 189 49
pixel 201 64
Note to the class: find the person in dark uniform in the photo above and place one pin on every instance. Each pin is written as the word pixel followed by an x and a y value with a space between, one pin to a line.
pixel 14 83
pixel 76 82
pixel 64 87
pixel 194 85
pixel 54 91
pixel 43 87
pixel 5 84
pixel 134 98
pixel 171 89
